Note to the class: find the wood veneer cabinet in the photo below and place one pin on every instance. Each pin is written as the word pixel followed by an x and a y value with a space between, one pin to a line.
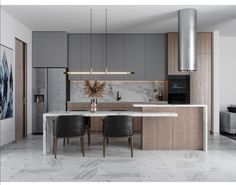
pixel 184 132
pixel 200 84
pixel 96 125
pixel 188 128
pixel 157 132
pixel 203 47
pixel 173 55
pixel 200 80
pixel 204 42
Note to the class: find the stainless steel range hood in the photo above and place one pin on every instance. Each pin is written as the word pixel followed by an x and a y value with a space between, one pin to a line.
pixel 187 27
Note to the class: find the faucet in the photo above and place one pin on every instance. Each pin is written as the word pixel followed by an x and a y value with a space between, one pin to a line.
pixel 118 97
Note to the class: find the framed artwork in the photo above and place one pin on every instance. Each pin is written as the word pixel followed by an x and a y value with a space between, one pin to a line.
pixel 6 83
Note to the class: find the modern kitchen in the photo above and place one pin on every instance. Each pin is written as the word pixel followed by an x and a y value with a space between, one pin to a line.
pixel 58 85
pixel 95 94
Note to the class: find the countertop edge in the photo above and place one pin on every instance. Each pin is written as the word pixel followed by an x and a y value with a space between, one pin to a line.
pixel 169 105
pixel 132 102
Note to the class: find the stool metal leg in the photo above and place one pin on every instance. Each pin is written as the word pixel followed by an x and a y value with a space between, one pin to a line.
pixel 55 152
pixel 82 144
pixel 129 140
pixel 89 138
pixel 64 142
pixel 104 146
pixel 53 148
pixel 131 143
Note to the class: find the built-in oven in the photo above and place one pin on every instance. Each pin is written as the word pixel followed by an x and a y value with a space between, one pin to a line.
pixel 178 89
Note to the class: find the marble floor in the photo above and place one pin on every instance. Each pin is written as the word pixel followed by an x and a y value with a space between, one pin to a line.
pixel 24 161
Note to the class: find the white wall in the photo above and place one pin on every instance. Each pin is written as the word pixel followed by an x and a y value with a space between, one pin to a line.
pixel 11 29
pixel 215 82
pixel 227 72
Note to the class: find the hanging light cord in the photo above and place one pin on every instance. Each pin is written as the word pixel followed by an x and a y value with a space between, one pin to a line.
pixel 106 36
pixel 91 39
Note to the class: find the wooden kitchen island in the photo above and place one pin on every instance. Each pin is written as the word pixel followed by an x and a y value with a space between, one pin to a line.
pixel 188 131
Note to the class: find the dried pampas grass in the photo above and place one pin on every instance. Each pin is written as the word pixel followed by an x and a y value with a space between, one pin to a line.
pixel 94 89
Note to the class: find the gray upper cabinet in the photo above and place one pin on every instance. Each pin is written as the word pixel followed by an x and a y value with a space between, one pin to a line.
pixel 156 57
pixel 115 55
pixel 80 55
pixel 135 56
pixel 145 54
pixel 49 49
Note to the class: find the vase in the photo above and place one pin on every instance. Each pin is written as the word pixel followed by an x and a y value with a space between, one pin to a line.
pixel 93 105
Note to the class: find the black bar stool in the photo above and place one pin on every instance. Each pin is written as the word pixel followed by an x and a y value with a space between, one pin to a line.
pixel 68 127
pixel 117 126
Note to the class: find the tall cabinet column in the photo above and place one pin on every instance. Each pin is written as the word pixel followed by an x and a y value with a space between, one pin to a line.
pixel 200 80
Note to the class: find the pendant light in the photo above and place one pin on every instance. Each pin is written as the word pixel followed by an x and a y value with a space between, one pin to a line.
pixel 91 72
pixel 106 70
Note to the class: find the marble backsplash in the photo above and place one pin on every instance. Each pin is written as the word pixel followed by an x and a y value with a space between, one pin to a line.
pixel 130 91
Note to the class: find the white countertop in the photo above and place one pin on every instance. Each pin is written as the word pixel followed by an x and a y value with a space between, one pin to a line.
pixel 151 102
pixel 168 105
pixel 109 113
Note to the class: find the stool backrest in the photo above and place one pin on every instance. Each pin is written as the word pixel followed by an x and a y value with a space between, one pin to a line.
pixel 117 126
pixel 69 126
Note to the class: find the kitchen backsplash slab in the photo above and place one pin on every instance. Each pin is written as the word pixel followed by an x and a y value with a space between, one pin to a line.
pixel 142 91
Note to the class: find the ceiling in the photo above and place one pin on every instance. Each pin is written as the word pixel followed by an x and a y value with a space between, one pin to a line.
pixel 122 18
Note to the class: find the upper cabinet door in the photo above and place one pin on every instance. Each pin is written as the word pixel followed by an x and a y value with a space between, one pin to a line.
pixel 156 57
pixel 115 55
pixel 86 55
pixel 74 55
pixel 49 49
pixel 96 62
pixel 98 57
pixel 204 43
pixel 135 56
pixel 173 55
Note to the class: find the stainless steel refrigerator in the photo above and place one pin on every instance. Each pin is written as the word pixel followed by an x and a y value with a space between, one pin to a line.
pixel 49 94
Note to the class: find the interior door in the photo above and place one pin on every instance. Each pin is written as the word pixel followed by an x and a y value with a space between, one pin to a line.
pixel 20 90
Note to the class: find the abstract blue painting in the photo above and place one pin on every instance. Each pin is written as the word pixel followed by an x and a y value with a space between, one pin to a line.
pixel 6 83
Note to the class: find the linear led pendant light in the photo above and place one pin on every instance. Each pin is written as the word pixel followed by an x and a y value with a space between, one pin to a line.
pixel 91 72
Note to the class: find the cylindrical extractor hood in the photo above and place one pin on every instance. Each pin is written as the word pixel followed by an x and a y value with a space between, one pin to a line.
pixel 187 27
